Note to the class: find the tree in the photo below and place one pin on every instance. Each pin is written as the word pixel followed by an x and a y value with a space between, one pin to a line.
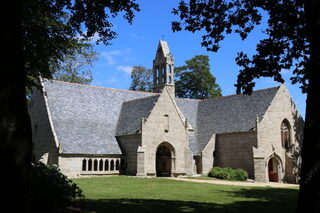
pixel 75 67
pixel 194 79
pixel 141 79
pixel 36 36
pixel 293 42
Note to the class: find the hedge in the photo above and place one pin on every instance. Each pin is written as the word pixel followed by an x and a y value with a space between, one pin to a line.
pixel 228 174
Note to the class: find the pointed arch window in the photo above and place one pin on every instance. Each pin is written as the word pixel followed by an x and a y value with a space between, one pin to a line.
pixel 285 134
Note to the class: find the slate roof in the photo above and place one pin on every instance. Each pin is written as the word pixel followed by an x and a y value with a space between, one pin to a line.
pixel 132 113
pixel 189 109
pixel 85 117
pixel 228 114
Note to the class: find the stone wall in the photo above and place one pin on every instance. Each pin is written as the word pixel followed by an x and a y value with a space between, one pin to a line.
pixel 234 150
pixel 129 146
pixel 45 148
pixel 165 124
pixel 269 137
pixel 207 157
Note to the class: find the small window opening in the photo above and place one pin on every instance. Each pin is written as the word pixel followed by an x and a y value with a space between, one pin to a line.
pixel 84 165
pixel 106 165
pixel 95 165
pixel 89 165
pixel 166 125
pixel 112 165
pixel 101 165
pixel 117 164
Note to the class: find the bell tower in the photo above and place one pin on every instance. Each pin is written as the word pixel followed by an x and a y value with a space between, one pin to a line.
pixel 163 69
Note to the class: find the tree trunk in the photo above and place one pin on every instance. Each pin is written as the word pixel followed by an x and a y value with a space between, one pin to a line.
pixel 15 128
pixel 309 194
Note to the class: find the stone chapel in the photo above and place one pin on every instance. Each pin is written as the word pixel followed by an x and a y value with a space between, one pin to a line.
pixel 90 131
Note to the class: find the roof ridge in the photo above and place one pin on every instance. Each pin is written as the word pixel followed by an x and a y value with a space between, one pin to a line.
pixel 157 94
pixel 190 99
pixel 227 96
pixel 99 87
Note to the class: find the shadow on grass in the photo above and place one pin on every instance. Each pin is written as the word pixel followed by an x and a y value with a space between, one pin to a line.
pixel 250 200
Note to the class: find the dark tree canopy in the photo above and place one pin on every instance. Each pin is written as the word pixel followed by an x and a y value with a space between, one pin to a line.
pixel 52 29
pixel 141 79
pixel 293 42
pixel 37 35
pixel 194 80
pixel 285 47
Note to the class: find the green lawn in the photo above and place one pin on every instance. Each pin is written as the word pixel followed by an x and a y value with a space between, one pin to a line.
pixel 132 194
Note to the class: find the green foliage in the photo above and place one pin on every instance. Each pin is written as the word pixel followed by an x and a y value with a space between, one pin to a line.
pixel 75 66
pixel 53 30
pixel 285 47
pixel 228 174
pixel 50 189
pixel 194 80
pixel 241 175
pixel 292 42
pixel 141 79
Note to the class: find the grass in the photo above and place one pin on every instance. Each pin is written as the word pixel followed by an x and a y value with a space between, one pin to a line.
pixel 131 194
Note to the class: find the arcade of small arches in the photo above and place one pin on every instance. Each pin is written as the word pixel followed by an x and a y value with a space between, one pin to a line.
pixel 100 165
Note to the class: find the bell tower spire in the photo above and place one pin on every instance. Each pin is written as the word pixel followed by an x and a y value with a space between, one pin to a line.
pixel 163 69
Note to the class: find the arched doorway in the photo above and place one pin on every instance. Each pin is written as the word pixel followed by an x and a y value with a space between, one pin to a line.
pixel 164 156
pixel 273 170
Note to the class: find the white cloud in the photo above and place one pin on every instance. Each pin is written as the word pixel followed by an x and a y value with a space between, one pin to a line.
pixel 126 69
pixel 136 36
pixel 128 51
pixel 97 83
pixel 110 56
pixel 92 39
pixel 111 80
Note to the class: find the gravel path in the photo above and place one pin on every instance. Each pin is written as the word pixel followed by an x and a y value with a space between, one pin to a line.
pixel 238 183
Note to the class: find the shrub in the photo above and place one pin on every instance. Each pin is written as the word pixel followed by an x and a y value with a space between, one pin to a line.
pixel 228 174
pixel 241 175
pixel 50 189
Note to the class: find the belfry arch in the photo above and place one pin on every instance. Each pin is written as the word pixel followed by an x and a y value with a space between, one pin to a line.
pixel 165 160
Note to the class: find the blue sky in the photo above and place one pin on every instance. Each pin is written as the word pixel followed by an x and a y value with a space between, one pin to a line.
pixel 136 45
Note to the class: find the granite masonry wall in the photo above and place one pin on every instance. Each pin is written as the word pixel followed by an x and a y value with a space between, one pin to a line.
pixel 234 150
pixel 45 148
pixel 269 139
pixel 165 124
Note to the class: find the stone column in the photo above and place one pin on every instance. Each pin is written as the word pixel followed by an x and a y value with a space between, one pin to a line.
pixel 141 161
